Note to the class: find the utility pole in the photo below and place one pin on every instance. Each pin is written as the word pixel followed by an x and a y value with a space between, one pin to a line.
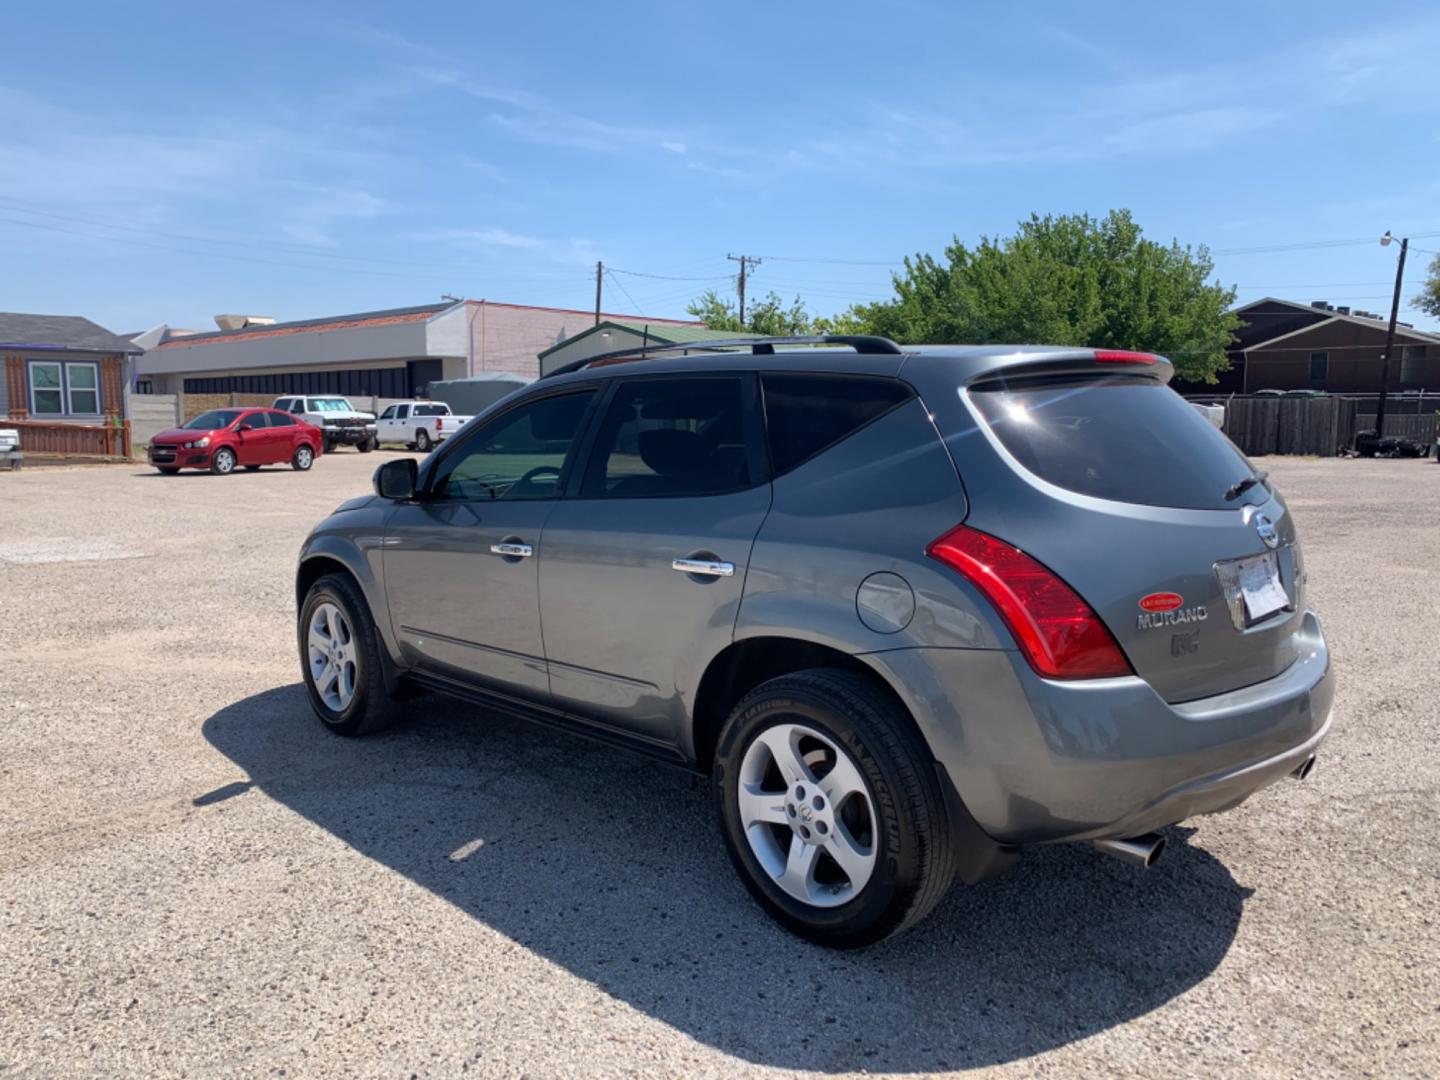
pixel 746 262
pixel 599 276
pixel 1385 241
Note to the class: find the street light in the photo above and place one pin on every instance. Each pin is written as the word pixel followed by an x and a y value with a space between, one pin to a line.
pixel 1386 241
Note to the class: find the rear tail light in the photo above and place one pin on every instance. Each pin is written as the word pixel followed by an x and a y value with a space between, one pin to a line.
pixel 1124 356
pixel 1059 633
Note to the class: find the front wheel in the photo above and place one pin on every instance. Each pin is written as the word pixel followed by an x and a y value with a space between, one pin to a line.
pixel 222 462
pixel 831 809
pixel 340 658
pixel 422 441
pixel 369 444
pixel 303 459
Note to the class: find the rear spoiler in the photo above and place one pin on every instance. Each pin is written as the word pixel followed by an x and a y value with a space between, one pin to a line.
pixel 1066 361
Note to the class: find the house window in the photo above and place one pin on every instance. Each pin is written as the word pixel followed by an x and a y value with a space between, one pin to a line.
pixel 82 387
pixel 64 388
pixel 47 393
pixel 1319 366
pixel 1412 360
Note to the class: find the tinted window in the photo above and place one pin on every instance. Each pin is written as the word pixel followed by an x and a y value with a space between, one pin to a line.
pixel 214 420
pixel 671 437
pixel 278 419
pixel 431 410
pixel 257 420
pixel 281 403
pixel 805 414
pixel 298 405
pixel 1129 439
pixel 516 456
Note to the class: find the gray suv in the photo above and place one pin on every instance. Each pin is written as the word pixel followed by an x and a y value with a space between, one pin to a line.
pixel 911 609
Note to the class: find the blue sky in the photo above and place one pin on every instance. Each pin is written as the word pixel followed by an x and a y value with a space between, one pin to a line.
pixel 162 163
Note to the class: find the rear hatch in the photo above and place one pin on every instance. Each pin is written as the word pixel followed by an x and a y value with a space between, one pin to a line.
pixel 1149 513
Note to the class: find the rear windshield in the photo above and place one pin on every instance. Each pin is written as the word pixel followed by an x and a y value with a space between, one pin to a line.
pixel 1129 439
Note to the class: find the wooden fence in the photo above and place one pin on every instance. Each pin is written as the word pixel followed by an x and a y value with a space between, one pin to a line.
pixel 82 440
pixel 1320 426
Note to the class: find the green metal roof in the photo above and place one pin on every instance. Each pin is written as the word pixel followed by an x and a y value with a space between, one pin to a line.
pixel 657 333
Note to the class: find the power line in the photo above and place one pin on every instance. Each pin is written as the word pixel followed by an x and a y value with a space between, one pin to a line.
pixel 619 285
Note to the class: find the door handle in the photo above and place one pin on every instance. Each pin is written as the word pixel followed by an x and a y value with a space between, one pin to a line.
pixel 512 551
pixel 704 567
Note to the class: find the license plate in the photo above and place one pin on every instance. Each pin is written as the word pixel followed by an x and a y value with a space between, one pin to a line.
pixel 1260 586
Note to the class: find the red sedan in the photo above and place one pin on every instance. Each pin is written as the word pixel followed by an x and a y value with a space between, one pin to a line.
pixel 223 439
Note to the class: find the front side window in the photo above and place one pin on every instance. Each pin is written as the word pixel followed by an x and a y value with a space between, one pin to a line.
pixel 257 420
pixel 1319 366
pixel 47 394
pixel 389 413
pixel 671 438
pixel 519 455
pixel 213 420
pixel 82 382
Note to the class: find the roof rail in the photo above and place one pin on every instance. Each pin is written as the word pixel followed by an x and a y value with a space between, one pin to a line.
pixel 758 346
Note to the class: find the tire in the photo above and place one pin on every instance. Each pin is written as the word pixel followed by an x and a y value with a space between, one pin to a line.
pixel 303 458
pixel 168 470
pixel 222 462
pixel 369 444
pixel 368 707
pixel 911 856
pixel 329 445
pixel 252 468
pixel 423 442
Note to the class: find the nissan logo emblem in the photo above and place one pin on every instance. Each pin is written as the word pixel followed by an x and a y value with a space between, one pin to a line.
pixel 1266 528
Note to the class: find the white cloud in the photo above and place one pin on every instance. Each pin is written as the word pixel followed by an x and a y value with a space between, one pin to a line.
pixel 673 146
pixel 487 237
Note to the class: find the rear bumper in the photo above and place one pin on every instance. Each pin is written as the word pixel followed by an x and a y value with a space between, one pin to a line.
pixel 1038 761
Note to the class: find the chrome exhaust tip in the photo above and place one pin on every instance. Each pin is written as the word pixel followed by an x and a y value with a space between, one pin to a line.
pixel 1304 769
pixel 1141 851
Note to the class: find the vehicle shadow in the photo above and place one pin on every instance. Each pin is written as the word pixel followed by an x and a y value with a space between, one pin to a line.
pixel 611 866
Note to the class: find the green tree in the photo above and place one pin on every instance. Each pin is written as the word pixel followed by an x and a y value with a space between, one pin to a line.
pixel 1429 299
pixel 1065 280
pixel 768 315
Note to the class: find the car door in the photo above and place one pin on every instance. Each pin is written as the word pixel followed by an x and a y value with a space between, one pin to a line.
pixel 460 561
pixel 644 567
pixel 285 434
pixel 253 446
pixel 385 424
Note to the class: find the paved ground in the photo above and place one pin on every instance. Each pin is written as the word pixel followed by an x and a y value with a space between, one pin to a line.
pixel 195 879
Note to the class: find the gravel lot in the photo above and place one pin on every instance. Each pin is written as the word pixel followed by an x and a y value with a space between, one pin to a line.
pixel 195 879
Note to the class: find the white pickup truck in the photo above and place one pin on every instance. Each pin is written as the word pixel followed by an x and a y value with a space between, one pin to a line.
pixel 418 424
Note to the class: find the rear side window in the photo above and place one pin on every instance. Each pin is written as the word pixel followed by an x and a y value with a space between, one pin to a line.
pixel 671 438
pixel 1132 440
pixel 805 414
pixel 280 420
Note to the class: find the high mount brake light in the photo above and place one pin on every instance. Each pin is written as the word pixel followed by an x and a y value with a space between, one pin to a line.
pixel 1059 633
pixel 1123 356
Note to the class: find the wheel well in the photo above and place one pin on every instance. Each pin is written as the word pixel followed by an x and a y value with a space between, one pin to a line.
pixel 745 665
pixel 312 570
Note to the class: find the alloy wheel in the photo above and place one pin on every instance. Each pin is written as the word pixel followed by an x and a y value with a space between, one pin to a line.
pixel 331 653
pixel 808 814
pixel 304 457
pixel 224 461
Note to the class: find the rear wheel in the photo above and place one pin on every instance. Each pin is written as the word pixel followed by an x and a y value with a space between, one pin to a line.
pixel 304 457
pixel 222 461
pixel 422 441
pixel 340 658
pixel 831 809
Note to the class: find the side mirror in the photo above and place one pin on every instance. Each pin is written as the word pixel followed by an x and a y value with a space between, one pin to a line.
pixel 396 479
pixel 245 427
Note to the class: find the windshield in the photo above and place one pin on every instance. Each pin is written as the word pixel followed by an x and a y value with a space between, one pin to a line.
pixel 1130 439
pixel 213 420
pixel 329 404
